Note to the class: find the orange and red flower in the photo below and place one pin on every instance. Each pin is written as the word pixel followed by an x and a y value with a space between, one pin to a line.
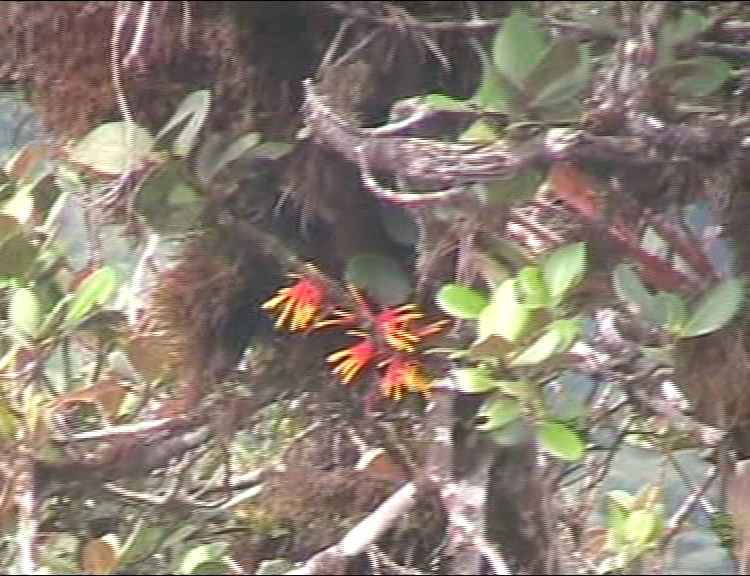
pixel 349 362
pixel 299 305
pixel 404 375
pixel 392 336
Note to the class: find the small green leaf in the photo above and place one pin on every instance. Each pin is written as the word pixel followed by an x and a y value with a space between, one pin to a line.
pixel 94 291
pixel 228 155
pixel 499 411
pixel 202 555
pixel 479 131
pixel 559 337
pixel 561 441
pixel 675 310
pixel 559 60
pixel 275 566
pixel 169 204
pixel 564 269
pixel 513 388
pixel 9 226
pixel 700 76
pixel 716 308
pixel 382 277
pixel 193 109
pixel 495 93
pixel 622 500
pixel 210 568
pixel 113 148
pixel 505 316
pixel 532 288
pixel 639 528
pixel 24 312
pixel 628 287
pixel 461 301
pixel 475 380
pixel 518 46
pixel 513 191
pixel 141 543
pixel 565 88
pixel 437 101
pixel 17 255
pixel 678 30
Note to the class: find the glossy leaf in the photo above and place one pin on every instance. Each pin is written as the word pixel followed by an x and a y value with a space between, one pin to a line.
pixel 518 46
pixel 381 277
pixel 17 255
pixel 559 440
pixel 495 93
pixel 505 315
pixel 628 287
pixel 558 338
pixel 475 380
pixel 113 148
pixel 211 569
pixel 555 96
pixel 221 158
pixel 699 76
pixel 193 110
pixel 168 202
pixel 559 60
pixel 675 310
pixel 564 269
pixel 499 411
pixel 461 301
pixel 640 527
pixel 716 308
pixel 532 287
pixel 25 312
pixel 201 555
pixel 93 292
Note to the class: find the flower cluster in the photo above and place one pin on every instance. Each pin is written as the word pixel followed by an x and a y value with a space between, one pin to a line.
pixel 389 340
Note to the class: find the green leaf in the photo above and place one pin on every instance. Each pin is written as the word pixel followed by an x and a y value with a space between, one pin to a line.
pixel 169 204
pixel 716 308
pixel 622 500
pixel 475 380
pixel 141 543
pixel 628 287
pixel 222 158
pixel 513 388
pixel 559 60
pixel 518 46
pixel 675 310
pixel 499 411
pixel 513 191
pixel 17 255
pixel 495 93
pixel 202 555
pixel 382 277
pixel 25 312
pixel 505 316
pixel 193 109
pixel 559 337
pixel 640 527
pixel 94 291
pixel 564 269
pixel 532 288
pixel 437 101
pixel 8 421
pixel 113 148
pixel 559 440
pixel 275 566
pixel 678 30
pixel 461 301
pixel 211 568
pixel 479 131
pixel 698 77
pixel 9 226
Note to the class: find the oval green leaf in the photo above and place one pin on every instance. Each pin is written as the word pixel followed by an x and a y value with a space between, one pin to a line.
pixel 564 269
pixel 559 440
pixel 532 287
pixel 505 315
pixel 461 301
pixel 518 46
pixel 25 312
pixel 113 148
pixel 381 277
pixel 17 255
pixel 475 380
pixel 499 411
pixel 193 110
pixel 640 527
pixel 628 287
pixel 716 308
pixel 169 204
pixel 559 337
pixel 94 291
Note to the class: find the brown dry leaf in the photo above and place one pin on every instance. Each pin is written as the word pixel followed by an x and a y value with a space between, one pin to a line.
pixel 107 394
pixel 99 557
pixel 378 465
